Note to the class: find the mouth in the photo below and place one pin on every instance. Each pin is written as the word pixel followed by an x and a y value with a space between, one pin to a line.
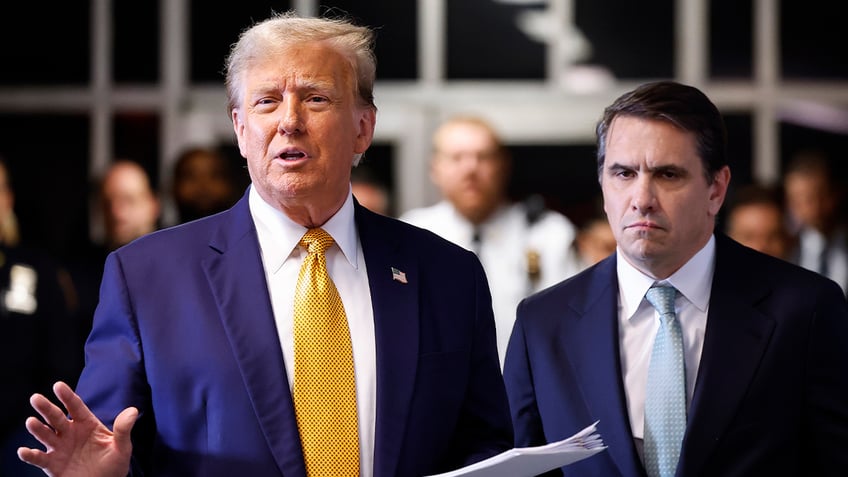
pixel 292 155
pixel 644 225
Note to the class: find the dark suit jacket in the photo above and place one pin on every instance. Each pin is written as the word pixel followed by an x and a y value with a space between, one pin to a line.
pixel 771 397
pixel 38 345
pixel 184 331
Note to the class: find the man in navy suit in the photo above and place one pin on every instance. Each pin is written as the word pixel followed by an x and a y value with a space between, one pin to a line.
pixel 765 343
pixel 190 361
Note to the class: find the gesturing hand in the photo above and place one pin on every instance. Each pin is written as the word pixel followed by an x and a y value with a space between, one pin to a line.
pixel 80 446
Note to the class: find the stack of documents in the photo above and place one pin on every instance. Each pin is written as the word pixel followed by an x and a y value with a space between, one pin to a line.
pixel 531 461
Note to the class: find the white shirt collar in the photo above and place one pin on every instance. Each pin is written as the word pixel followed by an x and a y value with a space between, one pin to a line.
pixel 693 280
pixel 279 235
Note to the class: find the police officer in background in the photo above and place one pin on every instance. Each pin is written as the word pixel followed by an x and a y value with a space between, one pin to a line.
pixel 523 246
pixel 37 336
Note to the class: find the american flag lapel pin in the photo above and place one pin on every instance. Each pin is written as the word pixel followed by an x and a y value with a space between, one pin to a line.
pixel 398 275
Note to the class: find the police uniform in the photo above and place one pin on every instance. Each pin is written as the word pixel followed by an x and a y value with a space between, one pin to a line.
pixel 38 344
pixel 522 252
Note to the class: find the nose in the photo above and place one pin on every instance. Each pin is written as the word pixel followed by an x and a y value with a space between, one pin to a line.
pixel 291 121
pixel 644 195
pixel 470 162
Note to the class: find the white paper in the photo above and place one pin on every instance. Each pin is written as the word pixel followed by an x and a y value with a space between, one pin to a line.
pixel 532 461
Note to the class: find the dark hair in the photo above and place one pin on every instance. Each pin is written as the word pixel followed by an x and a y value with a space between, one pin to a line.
pixel 185 155
pixel 811 162
pixel 686 107
pixel 755 194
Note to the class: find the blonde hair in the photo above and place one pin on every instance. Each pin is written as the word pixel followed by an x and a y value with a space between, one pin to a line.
pixel 286 29
pixel 472 120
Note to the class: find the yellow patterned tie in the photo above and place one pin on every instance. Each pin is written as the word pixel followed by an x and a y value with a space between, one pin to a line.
pixel 324 384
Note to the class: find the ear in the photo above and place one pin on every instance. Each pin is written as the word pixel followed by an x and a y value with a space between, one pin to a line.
pixel 365 134
pixel 238 128
pixel 157 206
pixel 718 189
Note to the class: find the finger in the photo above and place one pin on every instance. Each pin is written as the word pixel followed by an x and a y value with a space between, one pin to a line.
pixel 72 402
pixel 34 457
pixel 123 427
pixel 53 416
pixel 44 433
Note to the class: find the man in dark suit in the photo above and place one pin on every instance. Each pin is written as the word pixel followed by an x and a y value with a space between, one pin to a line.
pixel 37 344
pixel 815 200
pixel 763 366
pixel 193 336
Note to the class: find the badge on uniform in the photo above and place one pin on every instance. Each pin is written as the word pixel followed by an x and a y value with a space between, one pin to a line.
pixel 20 297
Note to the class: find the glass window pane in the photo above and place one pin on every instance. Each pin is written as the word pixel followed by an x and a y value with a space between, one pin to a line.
pixel 215 29
pixel 44 45
pixel 565 175
pixel 136 137
pixel 813 41
pixel 136 36
pixel 731 39
pixel 396 25
pixel 633 39
pixel 485 42
pixel 50 181
pixel 740 147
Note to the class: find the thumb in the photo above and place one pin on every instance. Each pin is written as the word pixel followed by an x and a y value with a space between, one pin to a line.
pixel 123 426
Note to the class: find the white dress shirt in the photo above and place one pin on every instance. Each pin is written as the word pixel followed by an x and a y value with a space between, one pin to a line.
pixel 639 321
pixel 506 242
pixel 282 258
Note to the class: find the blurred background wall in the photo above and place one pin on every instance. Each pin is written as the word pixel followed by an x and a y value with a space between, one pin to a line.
pixel 86 82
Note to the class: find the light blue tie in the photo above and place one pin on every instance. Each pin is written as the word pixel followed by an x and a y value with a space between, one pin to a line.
pixel 665 398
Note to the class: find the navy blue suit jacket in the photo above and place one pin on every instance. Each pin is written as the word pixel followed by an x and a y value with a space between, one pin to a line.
pixel 184 331
pixel 771 396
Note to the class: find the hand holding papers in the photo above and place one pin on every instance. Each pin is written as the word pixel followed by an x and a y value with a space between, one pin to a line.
pixel 531 461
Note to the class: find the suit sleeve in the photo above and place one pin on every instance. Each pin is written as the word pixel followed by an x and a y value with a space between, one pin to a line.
pixel 114 377
pixel 518 378
pixel 484 426
pixel 826 439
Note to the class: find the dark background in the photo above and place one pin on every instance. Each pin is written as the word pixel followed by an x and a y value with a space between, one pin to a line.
pixel 48 152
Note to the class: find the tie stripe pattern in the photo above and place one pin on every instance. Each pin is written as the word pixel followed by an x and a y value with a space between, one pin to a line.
pixel 324 383
pixel 665 398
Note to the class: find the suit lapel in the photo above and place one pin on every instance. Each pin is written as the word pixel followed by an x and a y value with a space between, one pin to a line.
pixel 396 315
pixel 594 347
pixel 735 339
pixel 237 281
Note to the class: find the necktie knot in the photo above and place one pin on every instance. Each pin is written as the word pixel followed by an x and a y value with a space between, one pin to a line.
pixel 662 298
pixel 316 240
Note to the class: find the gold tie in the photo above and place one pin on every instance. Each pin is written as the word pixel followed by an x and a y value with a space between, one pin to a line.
pixel 324 385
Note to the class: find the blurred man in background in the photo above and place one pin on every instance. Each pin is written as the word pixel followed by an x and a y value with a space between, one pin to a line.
pixel 593 243
pixel 756 218
pixel 370 191
pixel 203 183
pixel 129 204
pixel 814 201
pixel 128 208
pixel 523 248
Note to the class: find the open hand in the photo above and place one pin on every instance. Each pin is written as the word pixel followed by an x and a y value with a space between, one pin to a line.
pixel 79 446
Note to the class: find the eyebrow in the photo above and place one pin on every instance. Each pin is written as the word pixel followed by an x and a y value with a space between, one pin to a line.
pixel 616 167
pixel 299 84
